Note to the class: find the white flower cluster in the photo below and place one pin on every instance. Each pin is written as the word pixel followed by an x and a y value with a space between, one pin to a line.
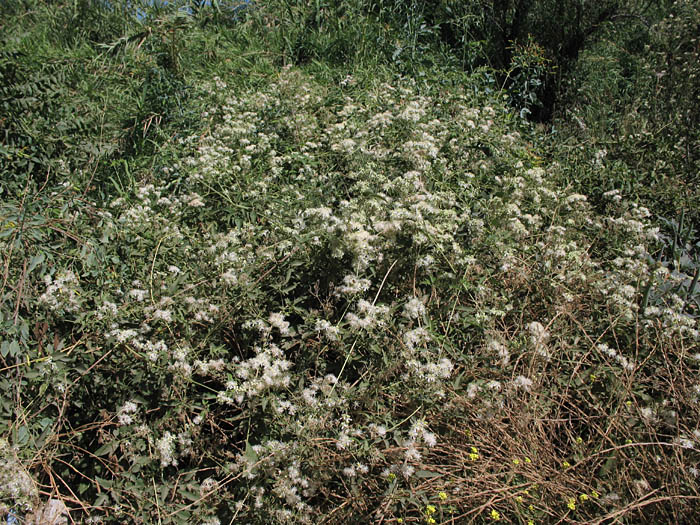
pixel 324 385
pixel 419 432
pixel 355 470
pixel 180 363
pixel 368 315
pixel 628 365
pixel 209 367
pixel 166 450
pixel 266 371
pixel 276 460
pixel 62 291
pixel 414 308
pixel 539 336
pixel 170 447
pixel 500 350
pixel 107 309
pixel 331 332
pixel 353 285
pixel 430 373
pixel 138 294
pixel 202 309
pixel 416 337
pixel 522 383
pixel 277 320
pixel 125 415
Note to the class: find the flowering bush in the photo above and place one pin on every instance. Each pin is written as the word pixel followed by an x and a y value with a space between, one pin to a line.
pixel 340 302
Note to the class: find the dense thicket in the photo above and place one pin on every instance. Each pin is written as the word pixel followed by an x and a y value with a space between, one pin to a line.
pixel 358 261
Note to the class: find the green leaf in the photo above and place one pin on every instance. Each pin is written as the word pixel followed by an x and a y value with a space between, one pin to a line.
pixel 22 435
pixel 192 496
pixel 104 483
pixel 250 454
pixel 101 500
pixel 35 261
pixel 107 448
pixel 11 348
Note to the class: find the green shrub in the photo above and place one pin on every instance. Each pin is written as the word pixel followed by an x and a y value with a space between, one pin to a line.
pixel 329 294
pixel 339 310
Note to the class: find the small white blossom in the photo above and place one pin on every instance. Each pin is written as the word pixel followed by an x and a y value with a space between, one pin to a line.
pixel 414 308
pixel 523 383
pixel 276 320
